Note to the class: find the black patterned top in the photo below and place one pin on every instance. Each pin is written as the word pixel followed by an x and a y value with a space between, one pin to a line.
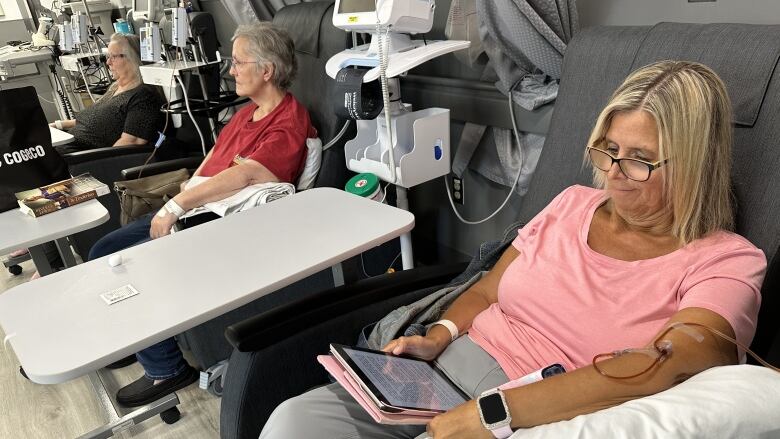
pixel 135 112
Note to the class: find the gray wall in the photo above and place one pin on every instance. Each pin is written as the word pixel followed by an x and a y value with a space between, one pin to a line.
pixel 436 224
pixel 643 12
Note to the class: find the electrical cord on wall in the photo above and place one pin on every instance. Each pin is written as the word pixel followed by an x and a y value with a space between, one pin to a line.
pixel 519 171
pixel 338 136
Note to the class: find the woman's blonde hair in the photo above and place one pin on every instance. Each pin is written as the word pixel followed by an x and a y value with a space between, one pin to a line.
pixel 692 112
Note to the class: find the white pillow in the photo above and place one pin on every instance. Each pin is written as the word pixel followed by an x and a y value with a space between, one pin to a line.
pixel 313 163
pixel 723 402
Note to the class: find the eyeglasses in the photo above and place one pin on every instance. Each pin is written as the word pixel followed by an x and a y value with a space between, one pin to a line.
pixel 109 56
pixel 633 169
pixel 642 360
pixel 239 65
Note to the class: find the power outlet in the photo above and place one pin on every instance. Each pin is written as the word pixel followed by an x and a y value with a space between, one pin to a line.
pixel 457 190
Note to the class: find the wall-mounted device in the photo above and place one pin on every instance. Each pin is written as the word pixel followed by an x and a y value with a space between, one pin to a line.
pixel 180 27
pixel 148 10
pixel 79 29
pixel 66 36
pixel 404 147
pixel 151 47
pixel 403 16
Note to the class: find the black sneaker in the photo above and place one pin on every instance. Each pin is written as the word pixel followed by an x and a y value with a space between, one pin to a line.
pixel 123 362
pixel 143 391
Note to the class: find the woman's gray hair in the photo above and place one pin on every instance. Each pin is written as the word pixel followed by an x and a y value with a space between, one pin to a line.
pixel 131 49
pixel 272 45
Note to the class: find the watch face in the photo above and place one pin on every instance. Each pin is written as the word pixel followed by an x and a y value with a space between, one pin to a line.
pixel 492 408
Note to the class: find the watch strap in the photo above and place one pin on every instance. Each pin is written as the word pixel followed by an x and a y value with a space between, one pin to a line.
pixel 502 432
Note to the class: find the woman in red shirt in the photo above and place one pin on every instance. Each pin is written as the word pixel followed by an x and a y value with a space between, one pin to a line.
pixel 264 142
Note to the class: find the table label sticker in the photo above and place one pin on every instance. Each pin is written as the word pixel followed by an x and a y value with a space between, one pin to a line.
pixel 119 294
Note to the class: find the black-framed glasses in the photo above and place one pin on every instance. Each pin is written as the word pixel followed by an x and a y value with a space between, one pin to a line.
pixel 633 169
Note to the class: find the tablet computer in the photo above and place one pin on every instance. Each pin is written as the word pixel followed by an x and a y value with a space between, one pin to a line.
pixel 399 384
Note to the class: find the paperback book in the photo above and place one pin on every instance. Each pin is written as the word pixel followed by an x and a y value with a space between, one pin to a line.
pixel 59 195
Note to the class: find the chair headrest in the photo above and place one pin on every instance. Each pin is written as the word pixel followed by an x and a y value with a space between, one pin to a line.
pixel 308 16
pixel 743 55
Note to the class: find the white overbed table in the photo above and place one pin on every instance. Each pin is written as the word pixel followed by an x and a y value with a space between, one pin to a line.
pixel 59 137
pixel 20 230
pixel 60 327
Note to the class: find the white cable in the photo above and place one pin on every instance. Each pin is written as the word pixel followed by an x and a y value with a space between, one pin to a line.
pixel 363 265
pixel 192 118
pixel 384 47
pixel 9 336
pixel 338 136
pixel 46 100
pixel 86 84
pixel 517 178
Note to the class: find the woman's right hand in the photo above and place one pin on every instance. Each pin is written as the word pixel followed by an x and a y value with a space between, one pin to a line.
pixel 426 348
pixel 64 124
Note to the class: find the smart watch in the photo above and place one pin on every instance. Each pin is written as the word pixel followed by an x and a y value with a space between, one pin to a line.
pixel 494 413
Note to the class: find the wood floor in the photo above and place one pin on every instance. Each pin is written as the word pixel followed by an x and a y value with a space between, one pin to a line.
pixel 68 410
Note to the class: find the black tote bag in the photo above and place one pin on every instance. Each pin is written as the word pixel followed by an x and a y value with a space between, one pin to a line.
pixel 27 159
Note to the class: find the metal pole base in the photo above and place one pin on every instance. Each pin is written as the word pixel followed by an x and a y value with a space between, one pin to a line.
pixel 165 407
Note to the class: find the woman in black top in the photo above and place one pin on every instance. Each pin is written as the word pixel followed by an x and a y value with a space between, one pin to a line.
pixel 129 112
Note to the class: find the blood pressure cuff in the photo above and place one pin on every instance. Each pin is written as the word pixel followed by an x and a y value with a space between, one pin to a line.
pixel 355 99
pixel 27 159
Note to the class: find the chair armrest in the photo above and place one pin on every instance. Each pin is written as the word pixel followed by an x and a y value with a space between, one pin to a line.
pixel 160 167
pixel 260 331
pixel 91 155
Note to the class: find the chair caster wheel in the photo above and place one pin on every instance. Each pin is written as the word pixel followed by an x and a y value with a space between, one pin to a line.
pixel 171 415
pixel 16 270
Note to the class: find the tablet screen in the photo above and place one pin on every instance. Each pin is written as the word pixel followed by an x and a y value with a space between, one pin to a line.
pixel 401 381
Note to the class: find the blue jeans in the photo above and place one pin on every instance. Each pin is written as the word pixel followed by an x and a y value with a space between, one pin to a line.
pixel 162 360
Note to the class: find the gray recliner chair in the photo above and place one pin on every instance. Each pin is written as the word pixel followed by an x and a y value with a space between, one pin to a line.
pixel 313 49
pixel 274 353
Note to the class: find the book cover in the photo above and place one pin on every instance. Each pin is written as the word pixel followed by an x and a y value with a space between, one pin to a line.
pixel 59 195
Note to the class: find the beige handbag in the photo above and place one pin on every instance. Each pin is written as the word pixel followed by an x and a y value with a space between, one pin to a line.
pixel 148 194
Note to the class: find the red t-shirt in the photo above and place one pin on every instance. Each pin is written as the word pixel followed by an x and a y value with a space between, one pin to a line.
pixel 277 141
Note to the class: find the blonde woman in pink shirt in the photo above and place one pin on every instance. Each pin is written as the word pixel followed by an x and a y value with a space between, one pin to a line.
pixel 598 270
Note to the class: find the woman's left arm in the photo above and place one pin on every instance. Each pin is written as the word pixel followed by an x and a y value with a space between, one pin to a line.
pixel 142 120
pixel 216 188
pixel 129 140
pixel 585 390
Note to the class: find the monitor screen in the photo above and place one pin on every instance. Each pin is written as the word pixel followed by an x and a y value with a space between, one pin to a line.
pixel 355 6
pixel 403 16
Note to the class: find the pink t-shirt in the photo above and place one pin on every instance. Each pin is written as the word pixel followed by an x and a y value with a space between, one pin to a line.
pixel 561 302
